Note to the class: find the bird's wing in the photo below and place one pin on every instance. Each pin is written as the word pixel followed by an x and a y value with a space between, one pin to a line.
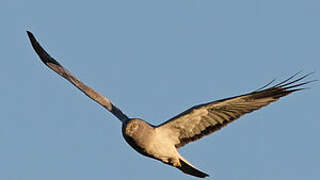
pixel 58 68
pixel 204 119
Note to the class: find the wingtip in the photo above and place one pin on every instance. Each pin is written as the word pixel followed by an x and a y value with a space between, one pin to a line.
pixel 36 46
pixel 44 56
pixel 30 35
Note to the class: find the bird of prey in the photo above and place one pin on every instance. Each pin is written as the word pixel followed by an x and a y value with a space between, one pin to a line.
pixel 161 142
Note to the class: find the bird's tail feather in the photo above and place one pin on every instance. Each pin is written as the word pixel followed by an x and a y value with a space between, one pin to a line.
pixel 187 168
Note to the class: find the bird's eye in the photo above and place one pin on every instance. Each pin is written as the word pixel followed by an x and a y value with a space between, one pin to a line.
pixel 134 126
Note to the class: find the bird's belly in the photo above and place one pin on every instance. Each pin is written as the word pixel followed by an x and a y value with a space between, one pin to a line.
pixel 154 147
pixel 162 149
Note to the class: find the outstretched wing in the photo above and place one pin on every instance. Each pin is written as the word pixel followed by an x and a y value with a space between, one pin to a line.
pixel 58 68
pixel 204 119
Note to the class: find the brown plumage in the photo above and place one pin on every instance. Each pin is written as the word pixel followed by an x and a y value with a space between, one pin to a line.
pixel 161 142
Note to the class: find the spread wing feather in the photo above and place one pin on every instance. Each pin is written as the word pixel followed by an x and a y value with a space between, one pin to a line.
pixel 58 68
pixel 204 119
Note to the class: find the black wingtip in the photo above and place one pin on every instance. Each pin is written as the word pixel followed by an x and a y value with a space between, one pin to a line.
pixel 294 83
pixel 44 56
pixel 33 40
pixel 291 82
pixel 29 34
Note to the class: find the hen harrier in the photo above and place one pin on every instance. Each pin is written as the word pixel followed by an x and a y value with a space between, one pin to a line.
pixel 161 142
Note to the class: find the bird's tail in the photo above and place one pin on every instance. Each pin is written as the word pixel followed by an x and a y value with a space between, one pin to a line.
pixel 188 168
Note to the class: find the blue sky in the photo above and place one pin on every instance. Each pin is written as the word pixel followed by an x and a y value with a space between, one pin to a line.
pixel 155 59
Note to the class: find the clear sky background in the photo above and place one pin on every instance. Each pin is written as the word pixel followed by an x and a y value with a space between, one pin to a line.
pixel 155 59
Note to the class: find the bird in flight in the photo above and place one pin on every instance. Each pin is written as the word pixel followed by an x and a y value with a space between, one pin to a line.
pixel 163 141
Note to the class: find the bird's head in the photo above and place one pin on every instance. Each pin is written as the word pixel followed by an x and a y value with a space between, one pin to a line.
pixel 135 127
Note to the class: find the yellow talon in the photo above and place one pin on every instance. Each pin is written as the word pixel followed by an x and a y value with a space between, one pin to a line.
pixel 177 164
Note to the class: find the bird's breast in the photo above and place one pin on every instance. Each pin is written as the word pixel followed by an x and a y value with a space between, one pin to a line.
pixel 139 139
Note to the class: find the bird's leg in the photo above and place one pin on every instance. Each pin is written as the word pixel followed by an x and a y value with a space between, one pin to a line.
pixel 175 162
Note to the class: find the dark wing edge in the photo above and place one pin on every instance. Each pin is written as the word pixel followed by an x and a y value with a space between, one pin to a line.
pixel 204 119
pixel 58 68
